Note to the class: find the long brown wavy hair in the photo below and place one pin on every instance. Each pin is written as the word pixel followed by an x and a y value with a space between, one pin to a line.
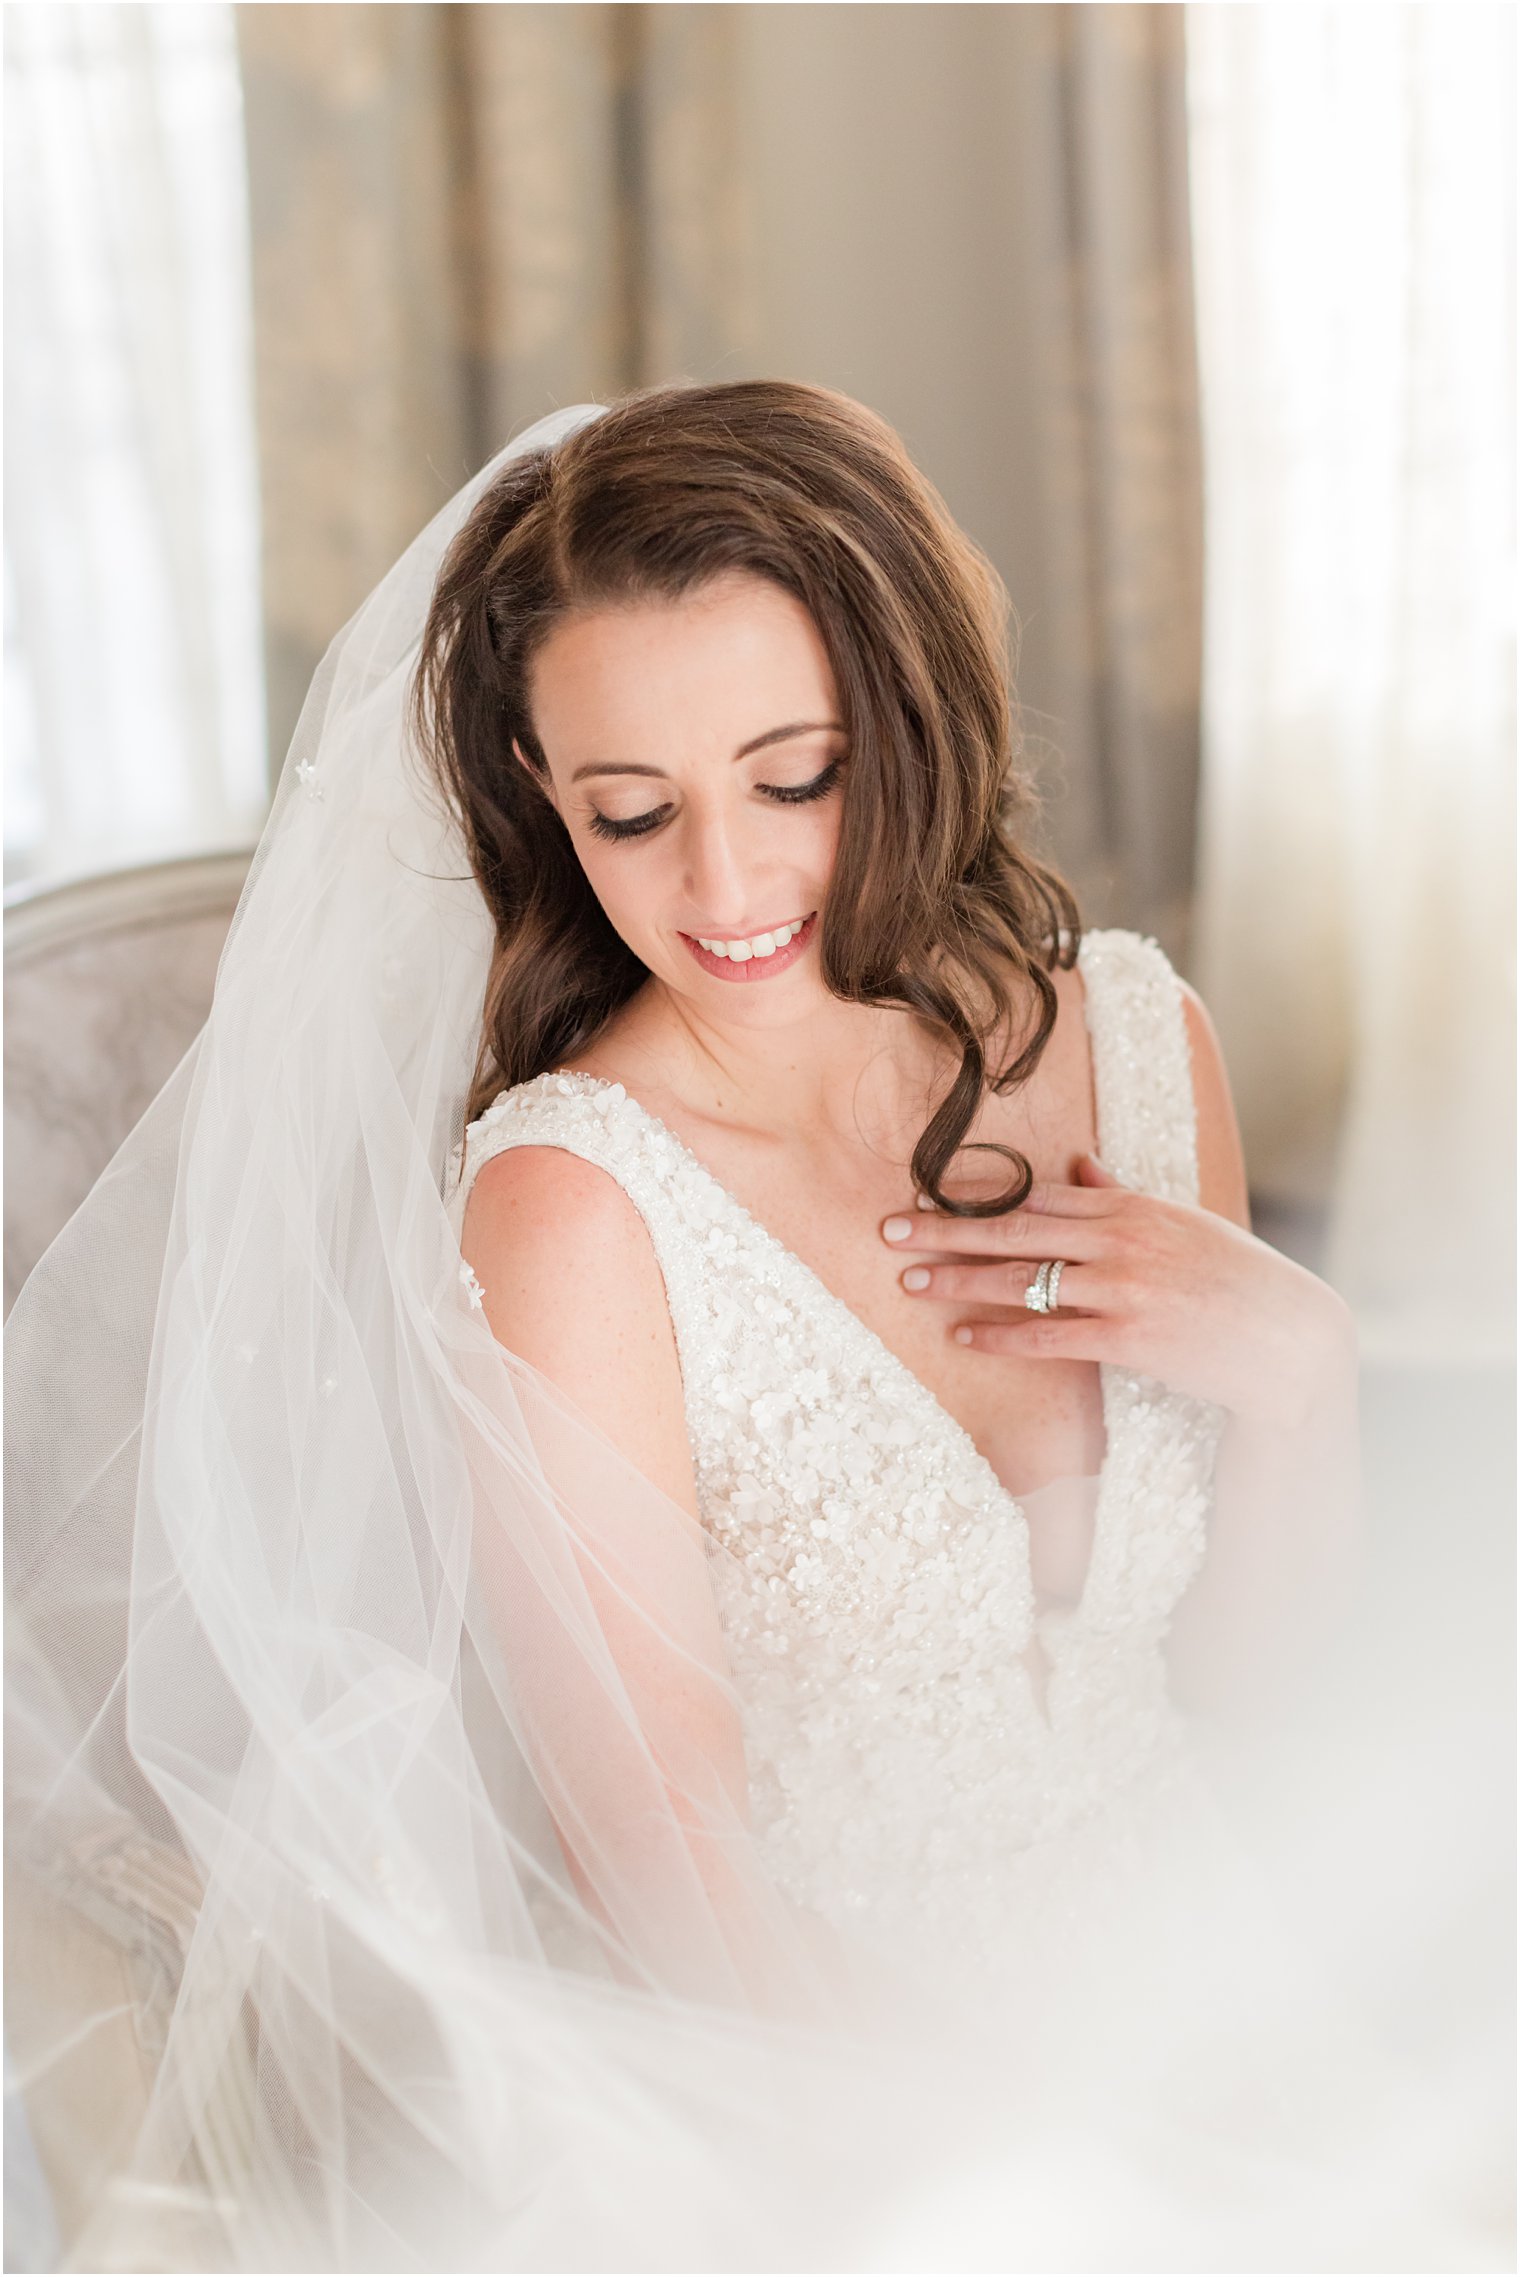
pixel 934 903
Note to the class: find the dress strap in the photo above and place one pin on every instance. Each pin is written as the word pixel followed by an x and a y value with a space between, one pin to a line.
pixel 1156 1490
pixel 578 1113
pixel 1142 1066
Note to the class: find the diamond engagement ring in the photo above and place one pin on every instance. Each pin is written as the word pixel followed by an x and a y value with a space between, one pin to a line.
pixel 1043 1292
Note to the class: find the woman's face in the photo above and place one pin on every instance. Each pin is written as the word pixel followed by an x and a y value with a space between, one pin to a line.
pixel 696 754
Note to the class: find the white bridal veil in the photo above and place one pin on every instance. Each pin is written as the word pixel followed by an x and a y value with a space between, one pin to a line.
pixel 380 1892
pixel 325 1614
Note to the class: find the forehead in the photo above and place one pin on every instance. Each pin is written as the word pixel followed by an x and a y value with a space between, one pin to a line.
pixel 701 670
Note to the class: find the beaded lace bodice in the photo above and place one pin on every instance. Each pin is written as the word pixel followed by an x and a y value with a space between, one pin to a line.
pixel 877 1603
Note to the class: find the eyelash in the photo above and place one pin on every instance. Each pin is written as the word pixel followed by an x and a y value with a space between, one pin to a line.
pixel 800 794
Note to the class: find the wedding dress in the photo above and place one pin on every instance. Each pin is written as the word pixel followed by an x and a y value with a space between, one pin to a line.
pixel 911 1778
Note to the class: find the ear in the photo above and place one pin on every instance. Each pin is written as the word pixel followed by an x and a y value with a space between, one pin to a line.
pixel 539 779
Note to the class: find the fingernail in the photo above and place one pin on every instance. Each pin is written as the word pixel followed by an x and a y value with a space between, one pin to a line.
pixel 925 1202
pixel 916 1277
pixel 898 1229
pixel 963 1336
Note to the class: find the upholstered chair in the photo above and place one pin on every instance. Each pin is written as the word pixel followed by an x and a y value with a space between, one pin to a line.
pixel 107 982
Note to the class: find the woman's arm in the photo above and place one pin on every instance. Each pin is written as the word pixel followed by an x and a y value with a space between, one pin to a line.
pixel 1188 1295
pixel 1284 1539
pixel 570 1284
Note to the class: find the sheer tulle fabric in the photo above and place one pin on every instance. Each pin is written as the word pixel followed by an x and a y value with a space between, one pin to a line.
pixel 329 1618
pixel 381 1890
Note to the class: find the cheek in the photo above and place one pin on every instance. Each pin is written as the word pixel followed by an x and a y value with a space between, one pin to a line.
pixel 610 881
pixel 633 891
pixel 825 847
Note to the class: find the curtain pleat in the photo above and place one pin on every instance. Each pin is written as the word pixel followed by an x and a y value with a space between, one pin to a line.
pixel 1100 146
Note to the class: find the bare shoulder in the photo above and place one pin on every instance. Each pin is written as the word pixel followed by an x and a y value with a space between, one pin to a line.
pixel 1221 1163
pixel 572 1285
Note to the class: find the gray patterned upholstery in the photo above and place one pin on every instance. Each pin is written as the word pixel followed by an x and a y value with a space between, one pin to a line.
pixel 107 982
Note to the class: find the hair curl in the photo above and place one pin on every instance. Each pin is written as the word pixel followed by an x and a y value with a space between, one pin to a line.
pixel 934 904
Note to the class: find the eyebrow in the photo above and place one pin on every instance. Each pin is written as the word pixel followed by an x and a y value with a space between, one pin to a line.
pixel 772 735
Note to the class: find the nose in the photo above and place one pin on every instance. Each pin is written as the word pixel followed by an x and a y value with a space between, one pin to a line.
pixel 715 878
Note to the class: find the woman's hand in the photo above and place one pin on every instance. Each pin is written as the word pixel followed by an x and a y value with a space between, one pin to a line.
pixel 1161 1288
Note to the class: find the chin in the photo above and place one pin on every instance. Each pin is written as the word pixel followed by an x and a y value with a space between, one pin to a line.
pixel 789 989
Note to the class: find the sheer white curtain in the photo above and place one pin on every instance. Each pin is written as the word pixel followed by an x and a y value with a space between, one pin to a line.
pixel 134 705
pixel 1353 208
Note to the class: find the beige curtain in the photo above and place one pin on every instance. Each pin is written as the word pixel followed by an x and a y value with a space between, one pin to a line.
pixel 973 218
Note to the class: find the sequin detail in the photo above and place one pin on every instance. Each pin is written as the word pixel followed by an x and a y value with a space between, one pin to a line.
pixel 877 1602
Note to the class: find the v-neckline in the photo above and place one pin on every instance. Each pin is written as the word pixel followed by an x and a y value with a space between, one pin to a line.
pixel 1064 1615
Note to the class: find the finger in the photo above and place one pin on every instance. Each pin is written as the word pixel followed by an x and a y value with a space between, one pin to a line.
pixel 1044 1225
pixel 1091 1172
pixel 1052 1336
pixel 1021 1233
pixel 1083 1288
pixel 1096 1201
pixel 1045 1194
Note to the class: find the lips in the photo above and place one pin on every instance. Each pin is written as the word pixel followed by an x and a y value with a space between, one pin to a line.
pixel 753 969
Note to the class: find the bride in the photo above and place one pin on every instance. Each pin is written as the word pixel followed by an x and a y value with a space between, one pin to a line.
pixel 729 688
pixel 627 1499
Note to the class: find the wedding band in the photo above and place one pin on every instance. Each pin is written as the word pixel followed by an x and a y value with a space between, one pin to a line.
pixel 1053 1285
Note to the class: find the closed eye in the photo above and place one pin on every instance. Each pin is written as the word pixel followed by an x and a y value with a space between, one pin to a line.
pixel 786 794
pixel 798 794
pixel 637 827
